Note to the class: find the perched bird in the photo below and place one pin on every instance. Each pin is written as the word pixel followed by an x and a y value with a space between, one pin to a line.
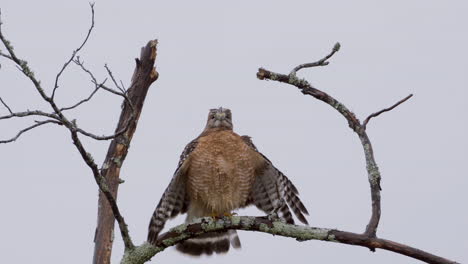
pixel 218 172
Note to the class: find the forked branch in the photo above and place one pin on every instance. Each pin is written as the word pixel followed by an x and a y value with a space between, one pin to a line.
pixel 58 117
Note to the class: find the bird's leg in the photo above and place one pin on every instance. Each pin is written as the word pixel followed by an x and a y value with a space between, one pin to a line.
pixel 229 214
pixel 273 215
pixel 214 215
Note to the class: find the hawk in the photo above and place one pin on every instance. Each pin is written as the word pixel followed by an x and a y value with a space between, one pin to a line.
pixel 218 172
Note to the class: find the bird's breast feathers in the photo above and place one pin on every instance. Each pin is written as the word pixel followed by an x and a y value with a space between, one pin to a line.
pixel 221 171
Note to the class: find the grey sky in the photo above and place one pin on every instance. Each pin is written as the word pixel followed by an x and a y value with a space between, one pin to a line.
pixel 208 56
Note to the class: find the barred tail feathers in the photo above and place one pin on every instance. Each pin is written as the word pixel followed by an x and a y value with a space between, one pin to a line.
pixel 209 243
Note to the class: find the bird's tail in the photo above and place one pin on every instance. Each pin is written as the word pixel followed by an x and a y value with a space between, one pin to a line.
pixel 209 243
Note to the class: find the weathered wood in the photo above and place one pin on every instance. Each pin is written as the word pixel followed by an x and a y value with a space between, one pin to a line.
pixel 144 75
pixel 146 251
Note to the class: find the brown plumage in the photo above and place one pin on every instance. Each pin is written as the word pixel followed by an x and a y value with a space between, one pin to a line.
pixel 219 172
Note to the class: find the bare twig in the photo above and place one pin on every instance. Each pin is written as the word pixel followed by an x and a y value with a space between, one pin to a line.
pixel 75 52
pixel 80 63
pixel 38 123
pixel 117 134
pixel 97 87
pixel 354 123
pixel 71 126
pixel 321 62
pixel 29 113
pixel 364 124
pixel 5 55
pixel 122 89
pixel 146 251
pixel 6 106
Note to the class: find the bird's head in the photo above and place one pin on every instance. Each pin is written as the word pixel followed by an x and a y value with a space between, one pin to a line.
pixel 219 118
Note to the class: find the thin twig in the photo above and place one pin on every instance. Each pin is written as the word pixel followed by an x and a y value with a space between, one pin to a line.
pixel 7 107
pixel 91 135
pixel 80 63
pixel 123 94
pixel 364 124
pixel 22 65
pixel 30 113
pixel 38 123
pixel 322 62
pixel 97 87
pixel 113 79
pixel 75 52
pixel 5 55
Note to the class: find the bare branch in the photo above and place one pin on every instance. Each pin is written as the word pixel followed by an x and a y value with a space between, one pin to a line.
pixel 91 135
pixel 104 188
pixel 364 124
pixel 354 123
pixel 6 106
pixel 38 123
pixel 22 65
pixel 144 75
pixel 322 62
pixel 84 100
pixel 80 63
pixel 123 94
pixel 59 116
pixel 146 251
pixel 121 88
pixel 5 55
pixel 75 52
pixel 30 113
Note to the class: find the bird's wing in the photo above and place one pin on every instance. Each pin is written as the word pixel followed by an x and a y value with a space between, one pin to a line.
pixel 174 200
pixel 273 191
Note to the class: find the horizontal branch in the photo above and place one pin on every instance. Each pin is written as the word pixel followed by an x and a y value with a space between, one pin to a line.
pixel 38 123
pixel 146 251
pixel 96 137
pixel 29 113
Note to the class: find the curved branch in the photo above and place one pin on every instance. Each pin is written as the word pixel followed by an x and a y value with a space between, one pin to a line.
pixel 74 52
pixel 354 124
pixel 29 113
pixel 364 124
pixel 322 62
pixel 182 232
pixel 38 123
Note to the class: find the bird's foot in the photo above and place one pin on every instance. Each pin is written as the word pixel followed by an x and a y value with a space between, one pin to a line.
pixel 215 215
pixel 229 214
pixel 273 216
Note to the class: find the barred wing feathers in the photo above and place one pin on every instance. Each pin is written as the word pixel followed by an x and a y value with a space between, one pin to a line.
pixel 273 191
pixel 174 200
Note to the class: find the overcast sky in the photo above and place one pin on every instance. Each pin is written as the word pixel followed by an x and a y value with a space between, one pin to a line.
pixel 208 56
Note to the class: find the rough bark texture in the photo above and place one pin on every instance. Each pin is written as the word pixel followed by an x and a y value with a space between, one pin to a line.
pixel 145 74
pixel 145 252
